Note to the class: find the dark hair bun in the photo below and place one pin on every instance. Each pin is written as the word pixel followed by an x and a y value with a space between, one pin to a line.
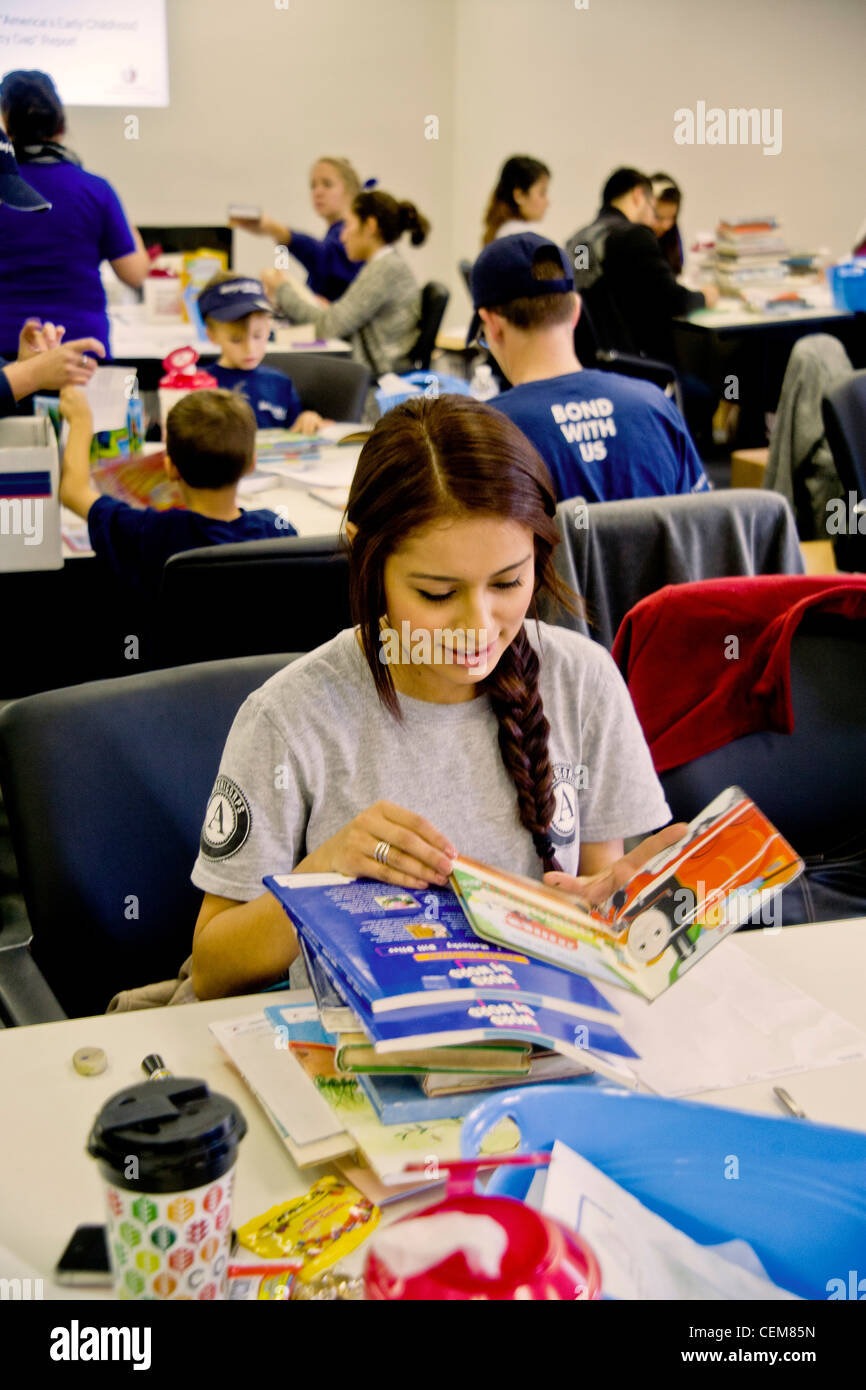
pixel 32 110
pixel 412 222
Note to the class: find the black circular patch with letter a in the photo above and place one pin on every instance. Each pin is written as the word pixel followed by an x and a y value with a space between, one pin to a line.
pixel 227 821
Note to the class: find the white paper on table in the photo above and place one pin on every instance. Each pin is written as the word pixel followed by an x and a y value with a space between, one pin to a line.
pixel 641 1255
pixel 255 482
pixel 727 1023
pixel 107 393
pixel 336 470
pixel 338 429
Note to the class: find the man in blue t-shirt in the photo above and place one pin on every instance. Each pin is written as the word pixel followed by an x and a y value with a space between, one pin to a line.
pixel 210 445
pixel 603 436
pixel 237 317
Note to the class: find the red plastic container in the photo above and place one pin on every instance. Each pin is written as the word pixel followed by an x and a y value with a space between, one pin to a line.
pixel 543 1259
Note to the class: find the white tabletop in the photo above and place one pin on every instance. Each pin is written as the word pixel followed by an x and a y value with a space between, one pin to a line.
pixel 309 515
pixel 133 335
pixel 49 1184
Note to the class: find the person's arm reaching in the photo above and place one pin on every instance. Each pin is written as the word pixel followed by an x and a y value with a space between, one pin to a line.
pixel 651 276
pixel 358 306
pixel 76 490
pixel 132 269
pixel 264 226
pixel 51 370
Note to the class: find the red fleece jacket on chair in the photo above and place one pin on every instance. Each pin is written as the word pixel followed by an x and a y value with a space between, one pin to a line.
pixel 694 688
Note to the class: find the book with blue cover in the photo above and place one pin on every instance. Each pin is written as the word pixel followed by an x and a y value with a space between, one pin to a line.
pixel 399 950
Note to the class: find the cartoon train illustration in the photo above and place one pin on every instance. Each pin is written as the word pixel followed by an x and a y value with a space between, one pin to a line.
pixel 658 909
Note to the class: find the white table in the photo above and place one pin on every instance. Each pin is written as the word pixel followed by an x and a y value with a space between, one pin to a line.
pixel 135 338
pixel 48 1184
pixel 308 515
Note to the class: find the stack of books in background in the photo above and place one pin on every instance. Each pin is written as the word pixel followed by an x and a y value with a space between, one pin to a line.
pixel 749 252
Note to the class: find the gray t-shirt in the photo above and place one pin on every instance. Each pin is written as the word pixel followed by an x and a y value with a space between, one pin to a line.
pixel 313 747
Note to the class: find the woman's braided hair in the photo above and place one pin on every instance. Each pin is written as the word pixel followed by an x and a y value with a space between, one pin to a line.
pixel 433 460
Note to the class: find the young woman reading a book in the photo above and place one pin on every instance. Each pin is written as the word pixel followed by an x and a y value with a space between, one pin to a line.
pixel 449 720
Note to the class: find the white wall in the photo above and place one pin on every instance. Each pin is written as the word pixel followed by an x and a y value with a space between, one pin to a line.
pixel 587 90
pixel 257 92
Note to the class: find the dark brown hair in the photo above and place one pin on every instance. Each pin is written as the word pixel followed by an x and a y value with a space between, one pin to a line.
pixel 544 310
pixel 393 218
pixel 210 437
pixel 32 111
pixel 519 172
pixel 453 457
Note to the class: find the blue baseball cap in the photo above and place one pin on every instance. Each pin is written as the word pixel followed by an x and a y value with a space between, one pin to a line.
pixel 503 272
pixel 233 299
pixel 14 191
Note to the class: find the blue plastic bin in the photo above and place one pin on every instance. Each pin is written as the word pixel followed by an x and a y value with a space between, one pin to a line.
pixel 799 1198
pixel 848 283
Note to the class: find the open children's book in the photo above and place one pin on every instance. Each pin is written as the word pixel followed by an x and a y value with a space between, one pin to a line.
pixel 726 868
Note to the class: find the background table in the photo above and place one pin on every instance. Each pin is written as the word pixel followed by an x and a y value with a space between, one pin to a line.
pixel 49 1184
pixel 731 340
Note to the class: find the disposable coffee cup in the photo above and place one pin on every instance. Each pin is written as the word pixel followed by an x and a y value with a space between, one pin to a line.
pixel 166 1150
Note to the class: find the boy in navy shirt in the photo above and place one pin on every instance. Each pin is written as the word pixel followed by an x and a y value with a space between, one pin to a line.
pixel 237 317
pixel 603 436
pixel 210 445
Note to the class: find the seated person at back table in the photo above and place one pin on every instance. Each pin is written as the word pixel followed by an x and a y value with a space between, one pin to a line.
pixel 603 436
pixel 237 317
pixel 210 445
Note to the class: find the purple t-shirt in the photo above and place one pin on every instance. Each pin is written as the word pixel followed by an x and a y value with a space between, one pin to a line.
pixel 49 261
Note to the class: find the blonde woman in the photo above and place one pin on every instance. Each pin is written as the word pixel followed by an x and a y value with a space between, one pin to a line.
pixel 333 185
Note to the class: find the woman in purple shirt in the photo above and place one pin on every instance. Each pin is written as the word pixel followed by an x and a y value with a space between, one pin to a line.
pixel 49 264
pixel 333 185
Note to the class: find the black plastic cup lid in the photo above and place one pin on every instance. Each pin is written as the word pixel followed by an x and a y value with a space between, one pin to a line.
pixel 181 1134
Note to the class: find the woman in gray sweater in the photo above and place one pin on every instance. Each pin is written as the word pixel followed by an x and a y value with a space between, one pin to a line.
pixel 380 311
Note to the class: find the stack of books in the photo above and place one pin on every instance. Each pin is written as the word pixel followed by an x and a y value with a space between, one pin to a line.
pixel 420 1003
pixel 749 252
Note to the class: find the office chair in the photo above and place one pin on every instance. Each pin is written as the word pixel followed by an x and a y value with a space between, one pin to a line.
pixel 590 351
pixel 809 782
pixel 334 386
pixel 434 302
pixel 292 593
pixel 844 412
pixel 615 553
pixel 106 786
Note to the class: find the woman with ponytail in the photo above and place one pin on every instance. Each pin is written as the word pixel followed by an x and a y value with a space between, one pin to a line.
pixel 449 720
pixel 380 311
pixel 49 263
pixel 520 196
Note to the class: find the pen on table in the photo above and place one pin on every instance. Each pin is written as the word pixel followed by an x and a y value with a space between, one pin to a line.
pixel 154 1067
pixel 789 1103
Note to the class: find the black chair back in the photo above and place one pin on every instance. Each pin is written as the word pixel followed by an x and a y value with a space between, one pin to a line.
pixel 244 599
pixel 465 268
pixel 105 786
pixel 334 386
pixel 434 302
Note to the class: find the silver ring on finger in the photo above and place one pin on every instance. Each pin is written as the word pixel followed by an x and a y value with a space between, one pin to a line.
pixel 381 852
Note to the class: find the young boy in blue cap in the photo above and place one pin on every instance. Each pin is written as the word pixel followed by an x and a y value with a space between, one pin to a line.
pixel 237 318
pixel 603 436
pixel 210 445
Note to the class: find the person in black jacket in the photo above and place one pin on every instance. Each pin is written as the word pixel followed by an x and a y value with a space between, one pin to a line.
pixel 629 287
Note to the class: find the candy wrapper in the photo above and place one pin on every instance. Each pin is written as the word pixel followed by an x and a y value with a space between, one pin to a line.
pixel 320 1227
